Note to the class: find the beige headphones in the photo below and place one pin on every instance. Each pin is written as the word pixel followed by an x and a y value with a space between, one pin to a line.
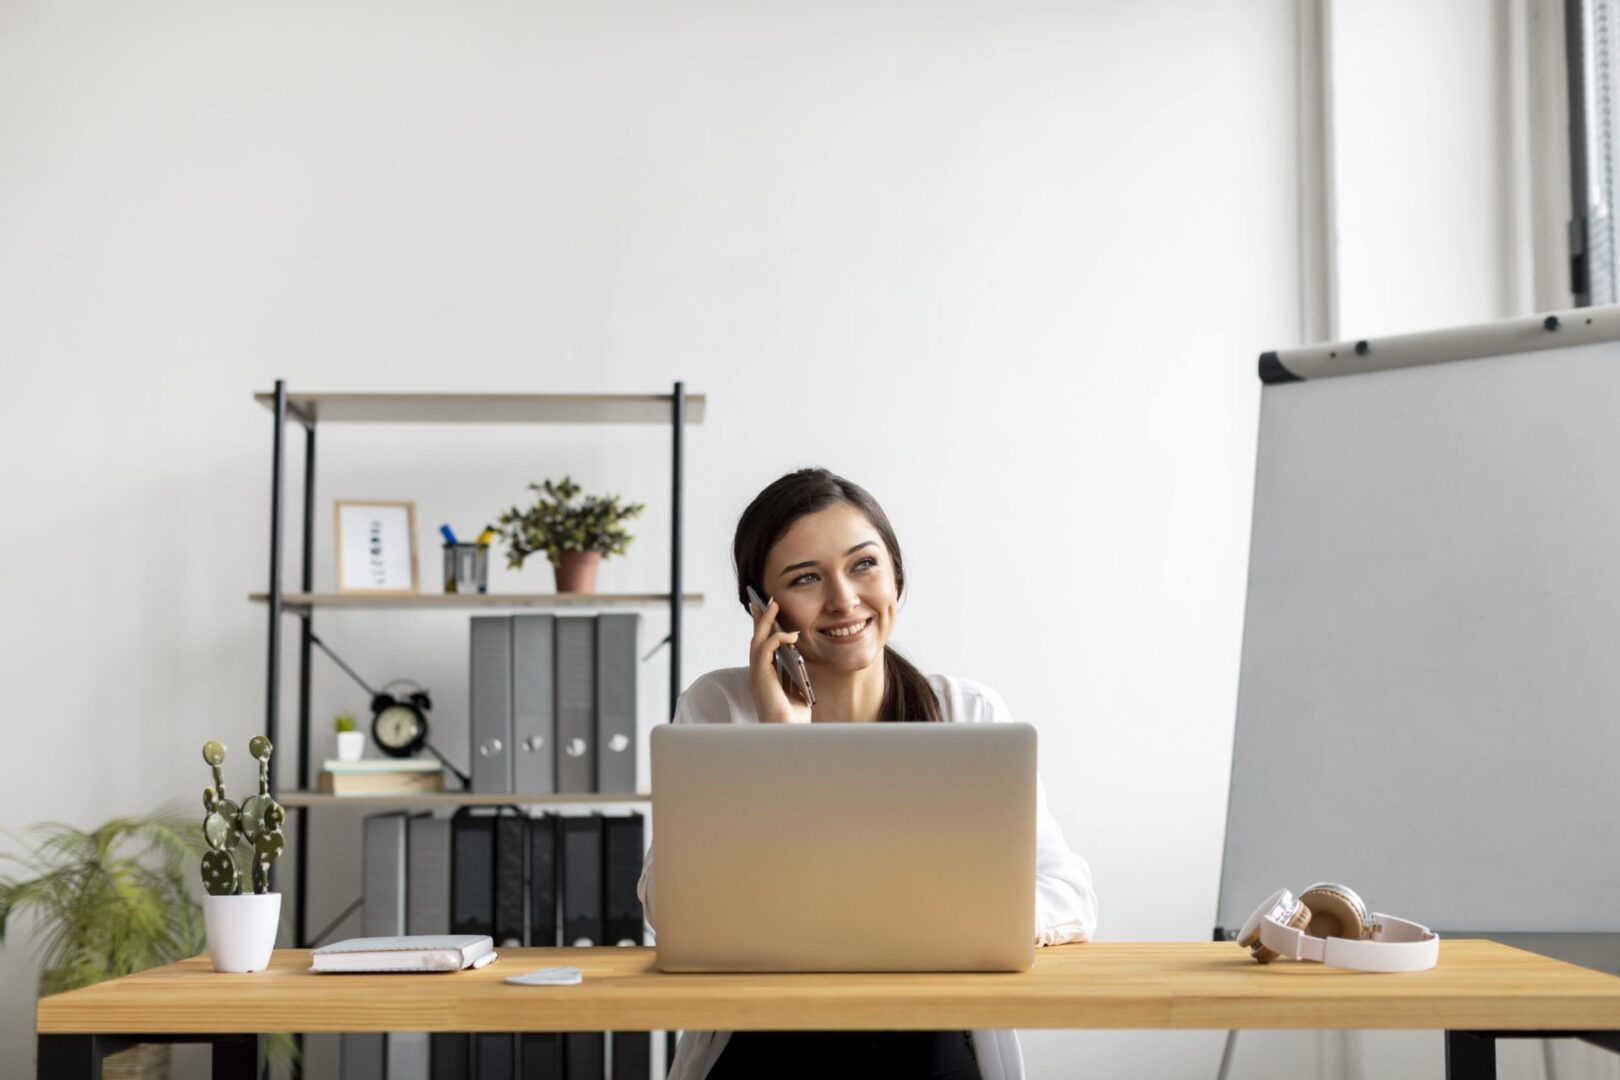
pixel 1330 924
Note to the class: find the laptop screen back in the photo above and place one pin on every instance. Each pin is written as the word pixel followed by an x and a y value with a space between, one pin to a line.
pixel 844 847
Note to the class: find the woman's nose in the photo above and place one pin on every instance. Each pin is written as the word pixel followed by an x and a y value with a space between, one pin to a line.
pixel 844 595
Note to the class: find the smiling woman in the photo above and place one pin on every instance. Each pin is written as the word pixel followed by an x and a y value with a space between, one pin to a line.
pixel 823 551
pixel 822 556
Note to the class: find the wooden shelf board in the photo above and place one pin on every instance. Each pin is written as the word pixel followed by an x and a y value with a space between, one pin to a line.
pixel 453 799
pixel 488 408
pixel 298 601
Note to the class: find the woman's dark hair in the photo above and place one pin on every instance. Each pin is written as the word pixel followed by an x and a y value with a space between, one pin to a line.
pixel 906 694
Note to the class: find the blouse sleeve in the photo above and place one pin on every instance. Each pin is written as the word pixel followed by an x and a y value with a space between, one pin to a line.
pixel 1065 905
pixel 703 703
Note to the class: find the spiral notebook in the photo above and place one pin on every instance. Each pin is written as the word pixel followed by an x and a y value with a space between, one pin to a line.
pixel 410 952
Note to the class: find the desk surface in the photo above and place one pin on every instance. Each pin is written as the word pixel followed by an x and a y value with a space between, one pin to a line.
pixel 1478 985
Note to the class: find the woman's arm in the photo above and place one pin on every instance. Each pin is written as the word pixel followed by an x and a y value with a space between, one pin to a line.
pixel 1065 904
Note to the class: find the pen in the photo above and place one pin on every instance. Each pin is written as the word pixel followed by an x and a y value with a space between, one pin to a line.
pixel 449 537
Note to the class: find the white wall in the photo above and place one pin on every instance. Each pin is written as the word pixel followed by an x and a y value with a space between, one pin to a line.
pixel 1006 265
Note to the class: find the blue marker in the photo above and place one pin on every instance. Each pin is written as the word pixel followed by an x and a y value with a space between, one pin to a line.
pixel 449 537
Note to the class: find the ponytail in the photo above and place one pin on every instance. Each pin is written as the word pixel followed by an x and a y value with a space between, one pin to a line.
pixel 907 697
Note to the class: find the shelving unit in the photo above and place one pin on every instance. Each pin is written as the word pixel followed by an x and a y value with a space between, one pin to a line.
pixel 309 410
pixel 292 601
pixel 452 800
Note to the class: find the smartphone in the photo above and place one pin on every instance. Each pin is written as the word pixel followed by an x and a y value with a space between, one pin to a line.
pixel 789 662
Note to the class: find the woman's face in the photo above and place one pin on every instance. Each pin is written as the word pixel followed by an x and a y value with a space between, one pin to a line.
pixel 831 572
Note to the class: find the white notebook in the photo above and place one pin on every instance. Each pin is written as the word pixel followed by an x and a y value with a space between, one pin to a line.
pixel 411 952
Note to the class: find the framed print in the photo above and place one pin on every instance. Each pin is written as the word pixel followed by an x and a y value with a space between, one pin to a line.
pixel 376 547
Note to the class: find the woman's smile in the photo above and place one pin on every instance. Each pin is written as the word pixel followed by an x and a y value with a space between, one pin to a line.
pixel 845 633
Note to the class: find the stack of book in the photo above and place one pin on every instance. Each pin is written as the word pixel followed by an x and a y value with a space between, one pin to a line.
pixel 381 776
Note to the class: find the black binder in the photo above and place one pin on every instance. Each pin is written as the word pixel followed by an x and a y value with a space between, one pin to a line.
pixel 621 869
pixel 540 1055
pixel 584 1055
pixel 450 1053
pixel 543 881
pixel 511 874
pixel 472 873
pixel 622 855
pixel 632 1055
pixel 582 880
pixel 494 1055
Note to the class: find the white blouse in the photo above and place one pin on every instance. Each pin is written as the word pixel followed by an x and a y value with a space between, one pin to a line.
pixel 1065 905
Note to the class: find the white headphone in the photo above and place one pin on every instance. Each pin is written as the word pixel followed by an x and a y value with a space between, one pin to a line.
pixel 1330 924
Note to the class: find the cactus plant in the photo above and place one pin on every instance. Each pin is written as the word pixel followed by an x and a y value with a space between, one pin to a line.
pixel 257 821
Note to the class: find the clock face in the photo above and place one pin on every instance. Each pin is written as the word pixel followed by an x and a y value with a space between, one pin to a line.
pixel 397 728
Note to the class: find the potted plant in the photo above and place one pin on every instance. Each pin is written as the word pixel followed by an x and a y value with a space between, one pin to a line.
pixel 241 925
pixel 351 741
pixel 575 535
pixel 108 902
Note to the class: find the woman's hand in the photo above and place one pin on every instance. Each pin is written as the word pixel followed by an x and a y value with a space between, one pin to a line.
pixel 774 704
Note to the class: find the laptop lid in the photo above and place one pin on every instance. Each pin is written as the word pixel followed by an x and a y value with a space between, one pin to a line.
pixel 844 847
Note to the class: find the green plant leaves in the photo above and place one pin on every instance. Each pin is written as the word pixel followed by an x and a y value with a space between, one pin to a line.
pixel 557 523
pixel 109 901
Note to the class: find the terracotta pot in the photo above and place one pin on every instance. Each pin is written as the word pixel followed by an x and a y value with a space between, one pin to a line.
pixel 577 572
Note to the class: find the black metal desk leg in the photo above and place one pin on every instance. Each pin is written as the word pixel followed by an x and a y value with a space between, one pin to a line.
pixel 77 1057
pixel 1470 1055
pixel 237 1057
pixel 71 1057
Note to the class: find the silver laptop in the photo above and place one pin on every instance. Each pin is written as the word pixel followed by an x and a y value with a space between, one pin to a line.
pixel 844 847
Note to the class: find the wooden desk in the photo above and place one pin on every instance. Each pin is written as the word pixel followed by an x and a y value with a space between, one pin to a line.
pixel 1479 992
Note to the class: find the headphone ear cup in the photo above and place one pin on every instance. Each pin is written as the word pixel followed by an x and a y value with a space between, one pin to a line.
pixel 1299 920
pixel 1336 911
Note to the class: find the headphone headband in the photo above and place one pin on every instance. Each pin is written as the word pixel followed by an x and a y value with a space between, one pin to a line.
pixel 1281 927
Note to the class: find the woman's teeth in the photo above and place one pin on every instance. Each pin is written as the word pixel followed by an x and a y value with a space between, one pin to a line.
pixel 849 631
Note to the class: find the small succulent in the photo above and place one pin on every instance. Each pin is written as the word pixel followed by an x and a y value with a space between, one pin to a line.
pixel 556 523
pixel 343 721
pixel 257 821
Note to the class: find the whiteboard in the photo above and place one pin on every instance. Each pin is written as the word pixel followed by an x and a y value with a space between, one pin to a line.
pixel 1429 699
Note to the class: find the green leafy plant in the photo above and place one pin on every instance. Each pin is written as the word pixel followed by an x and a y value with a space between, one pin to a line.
pixel 113 901
pixel 110 901
pixel 557 523
pixel 343 721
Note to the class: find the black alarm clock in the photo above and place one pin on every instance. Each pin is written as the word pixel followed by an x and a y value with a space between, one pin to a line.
pixel 399 725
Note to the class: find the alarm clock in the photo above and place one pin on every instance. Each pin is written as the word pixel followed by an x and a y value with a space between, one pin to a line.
pixel 399 725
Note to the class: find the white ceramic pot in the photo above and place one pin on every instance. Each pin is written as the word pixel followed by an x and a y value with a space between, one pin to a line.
pixel 241 930
pixel 351 744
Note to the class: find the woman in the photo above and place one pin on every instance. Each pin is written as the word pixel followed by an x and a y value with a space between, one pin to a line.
pixel 823 552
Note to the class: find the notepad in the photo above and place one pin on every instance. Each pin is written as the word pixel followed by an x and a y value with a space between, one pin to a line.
pixel 411 952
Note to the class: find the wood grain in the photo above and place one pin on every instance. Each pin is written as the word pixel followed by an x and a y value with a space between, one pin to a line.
pixel 1478 985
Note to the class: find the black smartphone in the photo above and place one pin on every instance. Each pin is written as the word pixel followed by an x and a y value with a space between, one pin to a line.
pixel 789 662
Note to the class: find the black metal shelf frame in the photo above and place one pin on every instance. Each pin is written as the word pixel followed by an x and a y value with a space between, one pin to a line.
pixel 283 411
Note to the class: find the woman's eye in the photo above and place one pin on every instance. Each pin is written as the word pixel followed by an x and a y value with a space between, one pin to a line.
pixel 802 578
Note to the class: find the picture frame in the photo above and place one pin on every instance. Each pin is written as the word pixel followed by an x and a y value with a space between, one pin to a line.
pixel 376 547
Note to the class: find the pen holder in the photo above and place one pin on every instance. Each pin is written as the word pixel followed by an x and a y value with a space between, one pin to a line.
pixel 466 568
